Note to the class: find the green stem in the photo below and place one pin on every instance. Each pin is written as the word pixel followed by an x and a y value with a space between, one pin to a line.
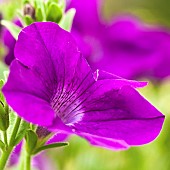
pixel 28 161
pixel 5 138
pixel 15 130
pixel 5 155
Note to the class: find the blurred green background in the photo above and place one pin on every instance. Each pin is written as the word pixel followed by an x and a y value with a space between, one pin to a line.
pixel 79 155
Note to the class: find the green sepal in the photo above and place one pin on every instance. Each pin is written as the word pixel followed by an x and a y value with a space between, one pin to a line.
pixel 67 20
pixel 54 13
pixel 28 20
pixel 63 5
pixel 31 141
pixel 6 74
pixel 24 126
pixel 13 29
pixel 20 16
pixel 2 118
pixel 12 118
pixel 2 146
pixel 51 1
pixel 40 14
pixel 50 146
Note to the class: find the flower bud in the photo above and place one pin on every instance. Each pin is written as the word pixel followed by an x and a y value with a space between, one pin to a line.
pixel 42 132
pixel 29 10
pixel 54 13
pixel 4 117
pixel 31 141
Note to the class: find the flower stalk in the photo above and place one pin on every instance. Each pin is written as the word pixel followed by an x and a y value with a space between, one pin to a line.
pixel 4 157
pixel 27 161
pixel 5 138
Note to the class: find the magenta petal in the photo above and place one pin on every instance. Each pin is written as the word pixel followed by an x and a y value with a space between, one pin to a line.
pixel 122 115
pixel 59 137
pixel 50 71
pixel 86 19
pixel 119 81
pixel 105 142
pixel 52 55
pixel 46 63
pixel 28 102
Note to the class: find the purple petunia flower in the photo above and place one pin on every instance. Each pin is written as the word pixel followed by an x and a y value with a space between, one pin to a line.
pixel 51 84
pixel 125 46
pixel 9 42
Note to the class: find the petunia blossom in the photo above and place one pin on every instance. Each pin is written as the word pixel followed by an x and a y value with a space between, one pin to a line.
pixel 52 85
pixel 9 41
pixel 124 46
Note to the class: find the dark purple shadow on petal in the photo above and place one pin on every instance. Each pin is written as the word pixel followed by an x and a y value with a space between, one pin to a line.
pixel 122 115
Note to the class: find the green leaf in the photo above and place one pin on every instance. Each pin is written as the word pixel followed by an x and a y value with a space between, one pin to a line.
pixel 2 145
pixel 14 29
pixel 31 141
pixel 50 146
pixel 54 13
pixel 67 20
pixel 2 99
pixel 24 126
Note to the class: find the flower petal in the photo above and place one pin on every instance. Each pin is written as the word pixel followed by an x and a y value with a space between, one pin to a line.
pixel 49 70
pixel 104 142
pixel 119 81
pixel 59 137
pixel 48 49
pixel 120 114
pixel 87 12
